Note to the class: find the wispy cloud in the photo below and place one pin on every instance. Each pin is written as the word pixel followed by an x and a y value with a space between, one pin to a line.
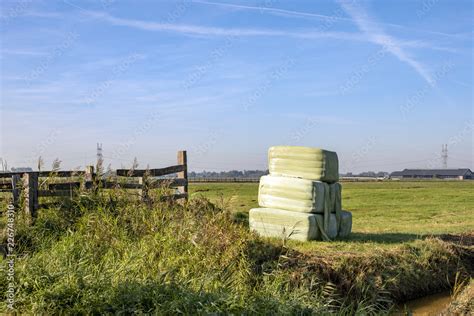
pixel 198 30
pixel 378 36
pixel 18 12
pixel 43 14
pixel 264 8
pixel 421 44
pixel 334 17
pixel 219 31
pixel 22 52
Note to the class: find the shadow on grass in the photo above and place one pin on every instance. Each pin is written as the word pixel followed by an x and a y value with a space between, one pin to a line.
pixel 383 238
pixel 241 218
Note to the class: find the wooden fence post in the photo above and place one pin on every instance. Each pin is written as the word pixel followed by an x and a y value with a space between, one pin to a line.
pixel 30 189
pixel 183 160
pixel 143 191
pixel 15 191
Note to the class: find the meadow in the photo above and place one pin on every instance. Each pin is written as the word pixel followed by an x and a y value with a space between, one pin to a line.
pixel 106 253
pixel 385 213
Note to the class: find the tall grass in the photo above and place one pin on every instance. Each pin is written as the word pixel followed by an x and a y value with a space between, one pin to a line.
pixel 106 252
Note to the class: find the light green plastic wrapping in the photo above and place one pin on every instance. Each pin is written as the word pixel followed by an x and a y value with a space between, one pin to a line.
pixel 268 222
pixel 346 224
pixel 293 194
pixel 335 197
pixel 335 190
pixel 304 162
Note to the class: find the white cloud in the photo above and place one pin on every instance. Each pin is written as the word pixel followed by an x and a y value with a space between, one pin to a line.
pixel 197 30
pixel 378 36
pixel 336 16
pixel 274 10
pixel 219 31
pixel 22 52
pixel 43 14
pixel 18 12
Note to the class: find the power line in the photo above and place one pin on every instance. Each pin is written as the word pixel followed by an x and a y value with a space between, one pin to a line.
pixel 463 160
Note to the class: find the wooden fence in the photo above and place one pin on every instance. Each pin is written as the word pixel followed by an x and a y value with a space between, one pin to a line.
pixel 67 187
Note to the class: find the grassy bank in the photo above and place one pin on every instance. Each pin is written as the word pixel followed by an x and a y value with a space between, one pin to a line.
pixel 107 253
pixel 463 302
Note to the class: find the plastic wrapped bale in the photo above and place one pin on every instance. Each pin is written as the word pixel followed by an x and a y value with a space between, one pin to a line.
pixel 335 197
pixel 331 230
pixel 304 162
pixel 346 224
pixel 293 194
pixel 268 222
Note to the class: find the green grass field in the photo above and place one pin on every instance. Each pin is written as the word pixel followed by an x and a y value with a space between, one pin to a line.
pixel 385 214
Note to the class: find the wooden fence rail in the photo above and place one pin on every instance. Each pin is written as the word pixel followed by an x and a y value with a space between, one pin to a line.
pixel 31 192
pixel 42 174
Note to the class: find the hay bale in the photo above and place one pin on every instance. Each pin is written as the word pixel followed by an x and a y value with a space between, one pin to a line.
pixel 268 222
pixel 345 224
pixel 304 162
pixel 293 194
pixel 335 197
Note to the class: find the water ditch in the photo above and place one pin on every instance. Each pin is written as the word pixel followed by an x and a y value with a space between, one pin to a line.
pixel 427 306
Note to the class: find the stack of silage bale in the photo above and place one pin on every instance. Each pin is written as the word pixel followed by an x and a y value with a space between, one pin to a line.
pixel 301 198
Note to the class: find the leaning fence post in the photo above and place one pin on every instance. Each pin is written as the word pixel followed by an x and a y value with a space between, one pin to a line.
pixel 30 189
pixel 15 190
pixel 183 160
pixel 143 191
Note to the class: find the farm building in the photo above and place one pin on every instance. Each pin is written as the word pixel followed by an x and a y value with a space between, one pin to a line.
pixel 459 174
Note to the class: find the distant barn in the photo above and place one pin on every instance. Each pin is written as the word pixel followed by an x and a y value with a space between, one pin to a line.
pixel 459 174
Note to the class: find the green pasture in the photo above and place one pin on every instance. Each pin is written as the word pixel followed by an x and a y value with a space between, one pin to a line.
pixel 385 214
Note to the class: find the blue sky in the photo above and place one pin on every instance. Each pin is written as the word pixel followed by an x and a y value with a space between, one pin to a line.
pixel 383 83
